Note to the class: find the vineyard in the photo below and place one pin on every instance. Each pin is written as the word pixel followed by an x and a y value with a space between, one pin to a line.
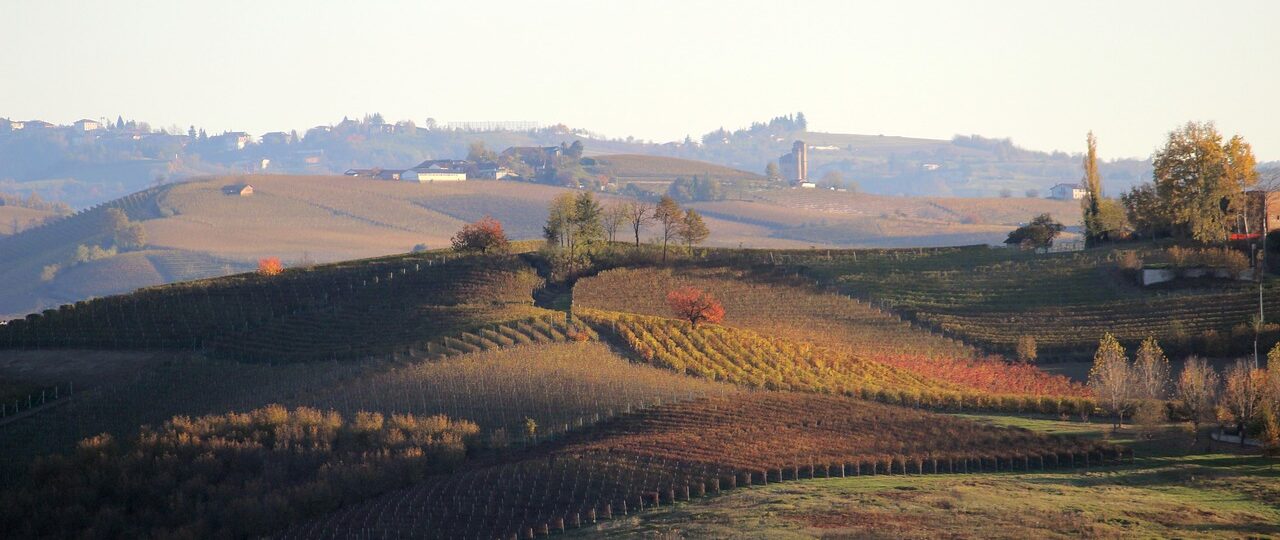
pixel 685 451
pixel 347 310
pixel 232 475
pixel 992 297
pixel 560 386
pixel 747 358
pixel 773 305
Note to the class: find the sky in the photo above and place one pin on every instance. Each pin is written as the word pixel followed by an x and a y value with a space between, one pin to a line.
pixel 1040 72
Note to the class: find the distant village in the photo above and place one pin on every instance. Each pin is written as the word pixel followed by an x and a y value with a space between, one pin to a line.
pixel 176 154
pixel 514 163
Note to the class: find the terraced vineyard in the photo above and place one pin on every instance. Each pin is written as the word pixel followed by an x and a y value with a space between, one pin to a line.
pixel 750 359
pixel 992 297
pixel 771 304
pixel 688 450
pixel 347 310
pixel 560 385
pixel 25 255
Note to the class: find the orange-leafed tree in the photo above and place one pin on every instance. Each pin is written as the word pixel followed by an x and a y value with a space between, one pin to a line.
pixel 695 305
pixel 484 236
pixel 270 266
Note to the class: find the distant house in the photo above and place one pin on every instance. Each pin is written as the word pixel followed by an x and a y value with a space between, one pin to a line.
pixel 389 174
pixel 85 124
pixel 455 164
pixel 1067 192
pixel 37 124
pixel 362 173
pixel 277 137
pixel 438 174
pixel 10 125
pixel 494 172
pixel 538 157
pixel 242 190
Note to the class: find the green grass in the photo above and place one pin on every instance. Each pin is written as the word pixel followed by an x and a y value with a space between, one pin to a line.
pixel 1164 494
pixel 1123 503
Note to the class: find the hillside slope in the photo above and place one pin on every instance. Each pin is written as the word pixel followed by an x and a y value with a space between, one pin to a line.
pixel 633 167
pixel 193 230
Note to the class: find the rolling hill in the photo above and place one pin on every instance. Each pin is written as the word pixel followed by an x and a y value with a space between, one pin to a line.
pixel 16 218
pixel 626 167
pixel 426 395
pixel 193 230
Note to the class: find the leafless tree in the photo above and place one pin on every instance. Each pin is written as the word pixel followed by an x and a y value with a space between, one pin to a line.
pixel 1197 389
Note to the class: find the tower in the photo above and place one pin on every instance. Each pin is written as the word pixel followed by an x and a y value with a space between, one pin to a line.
pixel 801 153
pixel 795 165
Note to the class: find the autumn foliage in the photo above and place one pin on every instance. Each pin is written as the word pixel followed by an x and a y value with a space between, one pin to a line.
pixel 989 375
pixel 695 305
pixel 484 236
pixel 270 266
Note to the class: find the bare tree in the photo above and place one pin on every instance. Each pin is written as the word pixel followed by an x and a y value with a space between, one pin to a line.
pixel 1112 377
pixel 1197 388
pixel 1242 394
pixel 1150 370
pixel 639 213
pixel 614 216
pixel 671 218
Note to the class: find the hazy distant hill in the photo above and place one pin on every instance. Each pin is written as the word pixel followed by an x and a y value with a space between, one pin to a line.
pixel 86 168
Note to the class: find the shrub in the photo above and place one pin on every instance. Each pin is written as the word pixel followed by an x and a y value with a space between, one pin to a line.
pixel 695 305
pixel 270 266
pixel 483 236
pixel 233 476
pixel 1130 261
pixel 1026 349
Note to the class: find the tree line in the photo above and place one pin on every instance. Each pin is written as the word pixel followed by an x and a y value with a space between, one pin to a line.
pixel 1197 192
pixel 1244 396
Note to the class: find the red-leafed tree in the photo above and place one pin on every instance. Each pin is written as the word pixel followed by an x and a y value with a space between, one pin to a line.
pixel 484 236
pixel 695 305
pixel 270 266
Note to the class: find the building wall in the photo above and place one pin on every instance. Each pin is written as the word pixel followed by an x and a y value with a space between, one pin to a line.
pixel 422 177
pixel 795 165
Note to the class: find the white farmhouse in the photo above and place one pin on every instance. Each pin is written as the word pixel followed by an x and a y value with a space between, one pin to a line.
pixel 1067 192
pixel 433 175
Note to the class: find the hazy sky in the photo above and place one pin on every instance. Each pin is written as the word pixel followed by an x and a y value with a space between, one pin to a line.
pixel 1042 73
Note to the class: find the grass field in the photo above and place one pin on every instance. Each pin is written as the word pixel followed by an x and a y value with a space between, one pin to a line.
pixel 1164 494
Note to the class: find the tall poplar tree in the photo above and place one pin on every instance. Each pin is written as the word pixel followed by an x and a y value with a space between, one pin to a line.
pixel 1094 229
